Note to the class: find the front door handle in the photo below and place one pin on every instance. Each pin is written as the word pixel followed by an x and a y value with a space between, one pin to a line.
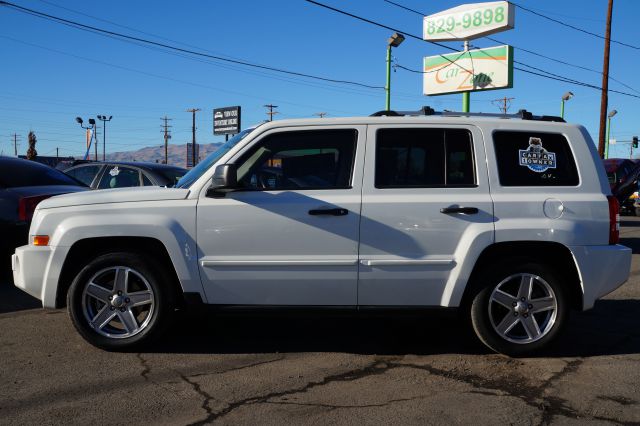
pixel 463 210
pixel 329 212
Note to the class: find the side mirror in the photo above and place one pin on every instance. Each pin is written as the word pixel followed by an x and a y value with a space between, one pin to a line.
pixel 225 179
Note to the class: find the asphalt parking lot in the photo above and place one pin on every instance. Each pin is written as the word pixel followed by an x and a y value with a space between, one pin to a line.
pixel 321 370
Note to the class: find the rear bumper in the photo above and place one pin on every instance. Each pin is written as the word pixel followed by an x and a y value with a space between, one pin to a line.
pixel 36 271
pixel 602 269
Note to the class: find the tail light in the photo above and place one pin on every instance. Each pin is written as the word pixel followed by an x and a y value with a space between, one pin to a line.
pixel 27 205
pixel 614 220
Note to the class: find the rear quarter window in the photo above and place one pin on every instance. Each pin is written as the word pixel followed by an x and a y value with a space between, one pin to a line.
pixel 534 159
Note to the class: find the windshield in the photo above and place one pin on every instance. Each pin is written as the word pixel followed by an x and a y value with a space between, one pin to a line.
pixel 205 164
pixel 171 175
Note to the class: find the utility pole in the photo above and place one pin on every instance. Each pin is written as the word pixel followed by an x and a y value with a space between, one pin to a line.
pixel 15 144
pixel 271 112
pixel 604 101
pixel 167 136
pixel 503 104
pixel 320 114
pixel 193 138
pixel 57 154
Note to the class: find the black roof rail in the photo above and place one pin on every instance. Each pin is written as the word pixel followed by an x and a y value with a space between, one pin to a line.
pixel 386 113
pixel 522 114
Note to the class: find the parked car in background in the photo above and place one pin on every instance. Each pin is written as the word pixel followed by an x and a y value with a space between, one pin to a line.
pixel 623 177
pixel 99 175
pixel 23 184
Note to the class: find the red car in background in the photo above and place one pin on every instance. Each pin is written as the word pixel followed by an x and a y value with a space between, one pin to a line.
pixel 23 184
pixel 623 175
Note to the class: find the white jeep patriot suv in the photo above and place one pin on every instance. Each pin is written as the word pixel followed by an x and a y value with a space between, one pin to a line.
pixel 508 218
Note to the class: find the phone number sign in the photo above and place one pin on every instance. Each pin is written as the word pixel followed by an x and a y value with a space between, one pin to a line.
pixel 469 21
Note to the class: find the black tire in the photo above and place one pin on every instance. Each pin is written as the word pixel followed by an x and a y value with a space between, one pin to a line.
pixel 144 273
pixel 488 315
pixel 636 210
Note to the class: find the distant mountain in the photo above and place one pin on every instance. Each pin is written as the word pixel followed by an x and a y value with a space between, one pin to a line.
pixel 177 154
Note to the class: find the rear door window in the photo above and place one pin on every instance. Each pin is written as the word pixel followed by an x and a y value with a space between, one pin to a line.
pixel 420 158
pixel 119 177
pixel 534 159
pixel 85 174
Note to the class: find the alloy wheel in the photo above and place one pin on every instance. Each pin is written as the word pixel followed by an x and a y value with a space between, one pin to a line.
pixel 523 308
pixel 118 302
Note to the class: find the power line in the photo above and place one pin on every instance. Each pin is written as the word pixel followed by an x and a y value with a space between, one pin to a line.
pixel 573 27
pixel 546 74
pixel 164 77
pixel 516 5
pixel 102 31
pixel 531 52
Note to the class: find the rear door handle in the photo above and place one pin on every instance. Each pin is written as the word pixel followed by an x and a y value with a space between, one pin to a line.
pixel 463 210
pixel 329 212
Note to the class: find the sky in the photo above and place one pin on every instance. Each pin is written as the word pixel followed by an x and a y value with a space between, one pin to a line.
pixel 52 72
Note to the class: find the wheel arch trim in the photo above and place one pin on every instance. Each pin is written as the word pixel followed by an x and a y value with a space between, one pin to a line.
pixel 184 269
pixel 554 254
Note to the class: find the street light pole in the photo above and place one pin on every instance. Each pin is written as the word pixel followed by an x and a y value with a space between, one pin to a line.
pixel 104 120
pixel 606 141
pixel 394 41
pixel 565 98
pixel 92 127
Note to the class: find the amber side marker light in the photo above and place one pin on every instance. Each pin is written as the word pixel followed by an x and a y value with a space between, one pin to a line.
pixel 40 240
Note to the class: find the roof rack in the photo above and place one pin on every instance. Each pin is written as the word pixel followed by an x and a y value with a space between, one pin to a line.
pixel 522 114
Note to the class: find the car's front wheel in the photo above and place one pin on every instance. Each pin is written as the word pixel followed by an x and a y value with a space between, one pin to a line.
pixel 120 301
pixel 520 308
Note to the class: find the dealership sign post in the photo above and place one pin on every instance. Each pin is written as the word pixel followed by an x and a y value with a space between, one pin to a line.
pixel 469 71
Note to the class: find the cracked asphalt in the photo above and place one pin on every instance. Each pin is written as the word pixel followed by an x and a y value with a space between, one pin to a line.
pixel 323 369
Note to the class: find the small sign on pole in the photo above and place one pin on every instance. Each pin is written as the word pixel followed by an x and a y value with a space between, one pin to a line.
pixel 226 121
pixel 612 141
pixel 190 154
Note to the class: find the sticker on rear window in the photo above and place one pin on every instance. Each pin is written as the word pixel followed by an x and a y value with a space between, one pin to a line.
pixel 536 158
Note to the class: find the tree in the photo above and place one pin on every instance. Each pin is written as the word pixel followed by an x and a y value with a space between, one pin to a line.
pixel 31 152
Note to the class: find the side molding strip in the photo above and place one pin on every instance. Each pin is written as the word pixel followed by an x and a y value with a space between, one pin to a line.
pixel 210 263
pixel 403 262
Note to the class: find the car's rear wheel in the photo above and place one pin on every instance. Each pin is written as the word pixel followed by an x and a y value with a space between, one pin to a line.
pixel 520 309
pixel 120 301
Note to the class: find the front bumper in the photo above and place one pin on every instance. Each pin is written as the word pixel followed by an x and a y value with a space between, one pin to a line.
pixel 36 271
pixel 602 269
